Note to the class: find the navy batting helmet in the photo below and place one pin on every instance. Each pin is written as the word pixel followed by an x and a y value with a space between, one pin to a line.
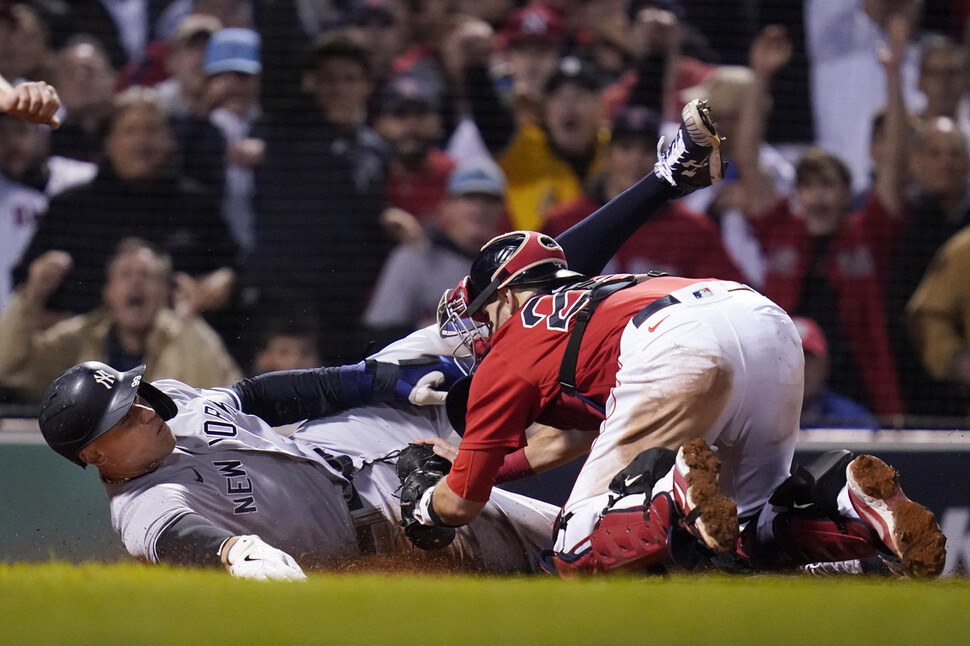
pixel 90 398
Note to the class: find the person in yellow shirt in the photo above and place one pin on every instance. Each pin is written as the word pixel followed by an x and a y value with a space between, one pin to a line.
pixel 548 164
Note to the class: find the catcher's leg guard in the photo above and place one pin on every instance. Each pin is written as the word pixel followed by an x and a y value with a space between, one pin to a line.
pixel 624 540
pixel 794 538
pixel 906 528
pixel 801 523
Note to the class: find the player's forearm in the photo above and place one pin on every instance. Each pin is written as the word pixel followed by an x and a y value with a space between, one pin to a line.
pixel 591 243
pixel 451 509
pixel 294 395
pixel 552 447
pixel 191 540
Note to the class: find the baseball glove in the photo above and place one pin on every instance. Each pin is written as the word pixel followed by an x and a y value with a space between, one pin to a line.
pixel 420 456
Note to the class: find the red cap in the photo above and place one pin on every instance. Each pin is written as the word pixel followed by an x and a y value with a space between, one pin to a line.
pixel 535 23
pixel 813 339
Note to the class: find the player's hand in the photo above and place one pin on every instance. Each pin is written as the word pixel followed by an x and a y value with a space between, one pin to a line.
pixel 403 228
pixel 416 493
pixel 425 381
pixel 45 274
pixel 441 447
pixel 248 557
pixel 36 102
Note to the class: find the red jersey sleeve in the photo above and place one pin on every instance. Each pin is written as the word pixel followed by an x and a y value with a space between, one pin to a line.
pixel 472 476
pixel 501 406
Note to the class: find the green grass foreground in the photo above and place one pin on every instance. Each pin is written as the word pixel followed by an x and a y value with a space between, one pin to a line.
pixel 132 604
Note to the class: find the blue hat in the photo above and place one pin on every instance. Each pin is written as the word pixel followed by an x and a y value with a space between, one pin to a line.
pixel 479 175
pixel 233 50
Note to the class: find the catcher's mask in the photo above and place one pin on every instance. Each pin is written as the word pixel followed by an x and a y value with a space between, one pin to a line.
pixel 88 400
pixel 519 259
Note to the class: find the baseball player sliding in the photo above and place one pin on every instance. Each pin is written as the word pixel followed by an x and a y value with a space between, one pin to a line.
pixel 201 477
pixel 663 368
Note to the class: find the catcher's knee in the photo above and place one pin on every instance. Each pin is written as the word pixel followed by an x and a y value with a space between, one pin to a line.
pixel 626 540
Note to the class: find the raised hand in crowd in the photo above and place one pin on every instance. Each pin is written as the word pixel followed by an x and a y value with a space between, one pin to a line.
pixel 45 275
pixel 35 101
pixel 467 45
pixel 209 293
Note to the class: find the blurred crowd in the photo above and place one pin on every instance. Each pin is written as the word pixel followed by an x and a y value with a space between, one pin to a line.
pixel 239 186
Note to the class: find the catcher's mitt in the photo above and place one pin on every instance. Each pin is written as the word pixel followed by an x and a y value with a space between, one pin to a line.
pixel 420 456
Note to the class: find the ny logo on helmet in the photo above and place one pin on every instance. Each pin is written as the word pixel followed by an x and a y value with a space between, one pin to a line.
pixel 105 379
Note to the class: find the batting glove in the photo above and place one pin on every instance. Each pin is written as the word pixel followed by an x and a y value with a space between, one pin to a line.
pixel 251 558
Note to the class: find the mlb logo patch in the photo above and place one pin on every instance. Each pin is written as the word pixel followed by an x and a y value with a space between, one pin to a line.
pixel 704 292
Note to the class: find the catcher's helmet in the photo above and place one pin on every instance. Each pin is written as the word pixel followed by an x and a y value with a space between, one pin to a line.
pixel 90 398
pixel 518 258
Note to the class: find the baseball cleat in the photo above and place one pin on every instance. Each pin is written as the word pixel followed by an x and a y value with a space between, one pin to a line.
pixel 693 158
pixel 708 514
pixel 906 528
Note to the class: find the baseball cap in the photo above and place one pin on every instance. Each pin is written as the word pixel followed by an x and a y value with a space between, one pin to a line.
pixel 408 90
pixel 635 121
pixel 478 175
pixel 813 339
pixel 192 26
pixel 535 23
pixel 574 70
pixel 233 50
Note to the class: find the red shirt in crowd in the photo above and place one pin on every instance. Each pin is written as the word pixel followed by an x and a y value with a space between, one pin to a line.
pixel 421 193
pixel 855 260
pixel 677 241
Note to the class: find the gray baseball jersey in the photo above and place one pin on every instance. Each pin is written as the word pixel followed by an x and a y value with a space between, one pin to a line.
pixel 240 474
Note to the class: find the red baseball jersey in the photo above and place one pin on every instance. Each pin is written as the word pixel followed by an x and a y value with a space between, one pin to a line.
pixel 517 382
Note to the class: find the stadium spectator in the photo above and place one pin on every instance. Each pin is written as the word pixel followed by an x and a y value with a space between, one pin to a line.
pixel 85 81
pixel 845 77
pixel 415 276
pixel 25 44
pixel 133 326
pixel 410 123
pixel 137 193
pixel 232 66
pixel 938 317
pixel 944 79
pixel 548 164
pixel 823 264
pixel 665 63
pixel 940 164
pixel 822 407
pixel 677 240
pixel 182 91
pixel 286 344
pixel 29 177
pixel 532 41
pixel 746 96
pixel 124 28
pixel 380 23
pixel 319 196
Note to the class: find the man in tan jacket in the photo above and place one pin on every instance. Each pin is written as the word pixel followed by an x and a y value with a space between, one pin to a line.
pixel 134 326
